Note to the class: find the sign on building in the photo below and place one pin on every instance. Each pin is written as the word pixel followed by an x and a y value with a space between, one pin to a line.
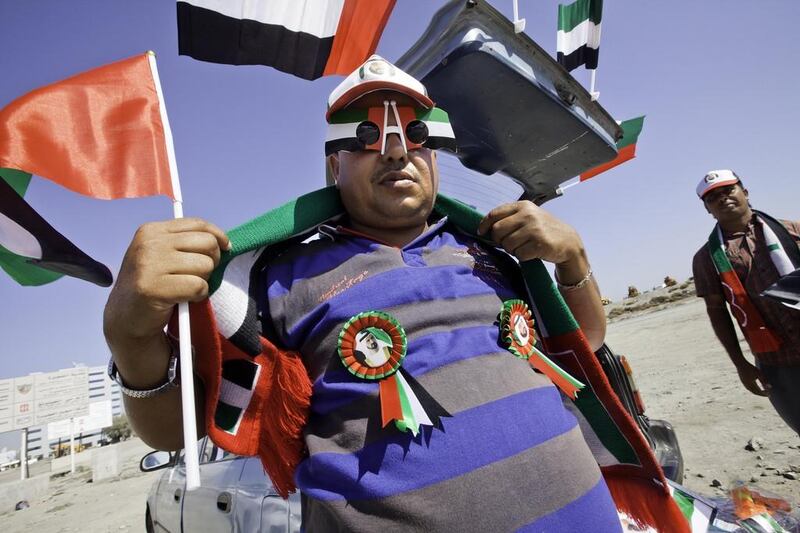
pixel 42 398
pixel 99 417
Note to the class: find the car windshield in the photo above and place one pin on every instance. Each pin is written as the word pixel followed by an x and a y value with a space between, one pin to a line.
pixel 477 190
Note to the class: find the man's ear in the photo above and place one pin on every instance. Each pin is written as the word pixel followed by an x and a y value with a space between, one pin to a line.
pixel 705 204
pixel 332 170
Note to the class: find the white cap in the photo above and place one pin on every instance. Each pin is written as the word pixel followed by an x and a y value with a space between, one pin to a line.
pixel 376 74
pixel 716 178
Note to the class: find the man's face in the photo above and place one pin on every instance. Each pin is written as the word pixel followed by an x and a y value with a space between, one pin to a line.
pixel 393 190
pixel 727 203
pixel 371 342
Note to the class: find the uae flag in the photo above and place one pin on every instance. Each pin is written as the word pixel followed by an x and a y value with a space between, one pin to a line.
pixel 626 147
pixel 698 512
pixel 308 39
pixel 102 133
pixel 579 34
pixel 32 252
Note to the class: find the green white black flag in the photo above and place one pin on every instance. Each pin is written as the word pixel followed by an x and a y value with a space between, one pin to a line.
pixel 32 252
pixel 579 34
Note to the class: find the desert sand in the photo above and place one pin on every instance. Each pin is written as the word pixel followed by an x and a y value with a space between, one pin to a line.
pixel 685 377
pixel 682 372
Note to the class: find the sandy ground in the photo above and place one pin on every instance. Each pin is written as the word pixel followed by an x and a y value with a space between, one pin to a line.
pixel 76 504
pixel 685 377
pixel 682 372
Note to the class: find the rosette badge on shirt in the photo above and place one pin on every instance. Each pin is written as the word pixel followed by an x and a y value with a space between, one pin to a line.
pixel 517 334
pixel 372 346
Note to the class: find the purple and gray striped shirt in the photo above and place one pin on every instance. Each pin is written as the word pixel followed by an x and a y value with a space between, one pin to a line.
pixel 510 457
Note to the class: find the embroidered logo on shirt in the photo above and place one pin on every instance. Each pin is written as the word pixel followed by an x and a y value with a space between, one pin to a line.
pixel 342 285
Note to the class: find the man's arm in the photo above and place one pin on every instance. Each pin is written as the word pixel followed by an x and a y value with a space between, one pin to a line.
pixel 584 300
pixel 529 232
pixel 726 333
pixel 166 263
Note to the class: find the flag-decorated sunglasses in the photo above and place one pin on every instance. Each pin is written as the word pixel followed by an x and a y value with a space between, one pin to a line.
pixel 368 129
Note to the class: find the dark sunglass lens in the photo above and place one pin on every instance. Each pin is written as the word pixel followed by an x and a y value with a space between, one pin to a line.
pixel 368 133
pixel 417 132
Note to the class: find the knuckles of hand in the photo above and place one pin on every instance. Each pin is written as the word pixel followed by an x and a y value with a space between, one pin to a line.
pixel 530 232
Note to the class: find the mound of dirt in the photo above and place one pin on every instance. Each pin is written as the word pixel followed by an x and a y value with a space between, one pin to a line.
pixel 651 300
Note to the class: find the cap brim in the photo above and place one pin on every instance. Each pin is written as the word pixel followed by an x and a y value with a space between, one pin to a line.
pixel 371 86
pixel 718 185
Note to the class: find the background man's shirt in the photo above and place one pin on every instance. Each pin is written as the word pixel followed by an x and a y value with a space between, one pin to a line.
pixel 748 254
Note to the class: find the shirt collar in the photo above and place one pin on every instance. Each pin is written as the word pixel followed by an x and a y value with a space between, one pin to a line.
pixel 338 231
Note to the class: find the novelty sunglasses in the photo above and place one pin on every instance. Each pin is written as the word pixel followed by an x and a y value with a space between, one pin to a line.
pixel 367 129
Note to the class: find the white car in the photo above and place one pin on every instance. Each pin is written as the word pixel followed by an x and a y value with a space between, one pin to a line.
pixel 235 495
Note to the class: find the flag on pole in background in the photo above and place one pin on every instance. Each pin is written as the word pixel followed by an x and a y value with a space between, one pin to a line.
pixel 32 252
pixel 99 133
pixel 626 147
pixel 578 40
pixel 308 39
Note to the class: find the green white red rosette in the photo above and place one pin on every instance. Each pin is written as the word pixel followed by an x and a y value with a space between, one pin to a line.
pixel 517 334
pixel 372 346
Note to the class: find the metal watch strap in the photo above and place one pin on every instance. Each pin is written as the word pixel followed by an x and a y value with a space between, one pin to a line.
pixel 172 381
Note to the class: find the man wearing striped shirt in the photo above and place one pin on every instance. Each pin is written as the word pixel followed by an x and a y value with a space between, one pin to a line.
pixel 492 448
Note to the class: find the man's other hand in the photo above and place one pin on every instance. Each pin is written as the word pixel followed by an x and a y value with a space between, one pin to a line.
pixel 527 231
pixel 752 379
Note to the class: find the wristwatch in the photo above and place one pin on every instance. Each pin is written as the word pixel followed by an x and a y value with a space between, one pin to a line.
pixel 172 382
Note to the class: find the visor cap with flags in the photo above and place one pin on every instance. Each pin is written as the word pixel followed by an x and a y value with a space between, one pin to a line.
pixel 416 120
pixel 376 74
pixel 715 179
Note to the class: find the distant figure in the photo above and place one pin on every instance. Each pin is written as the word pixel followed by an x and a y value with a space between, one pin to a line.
pixel 633 292
pixel 669 281
pixel 746 252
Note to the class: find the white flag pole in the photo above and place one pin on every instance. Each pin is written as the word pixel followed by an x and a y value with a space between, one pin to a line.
pixel 595 95
pixel 569 184
pixel 191 458
pixel 519 24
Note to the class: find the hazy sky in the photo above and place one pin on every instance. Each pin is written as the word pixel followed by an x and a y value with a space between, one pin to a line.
pixel 716 80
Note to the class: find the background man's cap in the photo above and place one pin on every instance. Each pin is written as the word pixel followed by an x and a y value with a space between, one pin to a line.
pixel 716 178
pixel 376 74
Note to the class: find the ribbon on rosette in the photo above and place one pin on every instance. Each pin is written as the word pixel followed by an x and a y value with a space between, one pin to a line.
pixel 372 346
pixel 517 333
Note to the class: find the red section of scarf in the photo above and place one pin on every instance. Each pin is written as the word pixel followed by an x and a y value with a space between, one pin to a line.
pixel 272 425
pixel 639 491
pixel 760 338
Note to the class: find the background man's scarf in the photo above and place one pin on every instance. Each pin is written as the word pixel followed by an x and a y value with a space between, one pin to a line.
pixel 258 396
pixel 779 243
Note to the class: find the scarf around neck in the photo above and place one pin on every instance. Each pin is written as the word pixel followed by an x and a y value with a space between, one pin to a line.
pixel 760 338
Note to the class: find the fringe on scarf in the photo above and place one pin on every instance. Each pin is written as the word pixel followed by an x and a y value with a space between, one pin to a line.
pixel 646 504
pixel 286 410
pixel 272 425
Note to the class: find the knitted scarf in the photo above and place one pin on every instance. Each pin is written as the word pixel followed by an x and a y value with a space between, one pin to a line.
pixel 780 244
pixel 258 395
